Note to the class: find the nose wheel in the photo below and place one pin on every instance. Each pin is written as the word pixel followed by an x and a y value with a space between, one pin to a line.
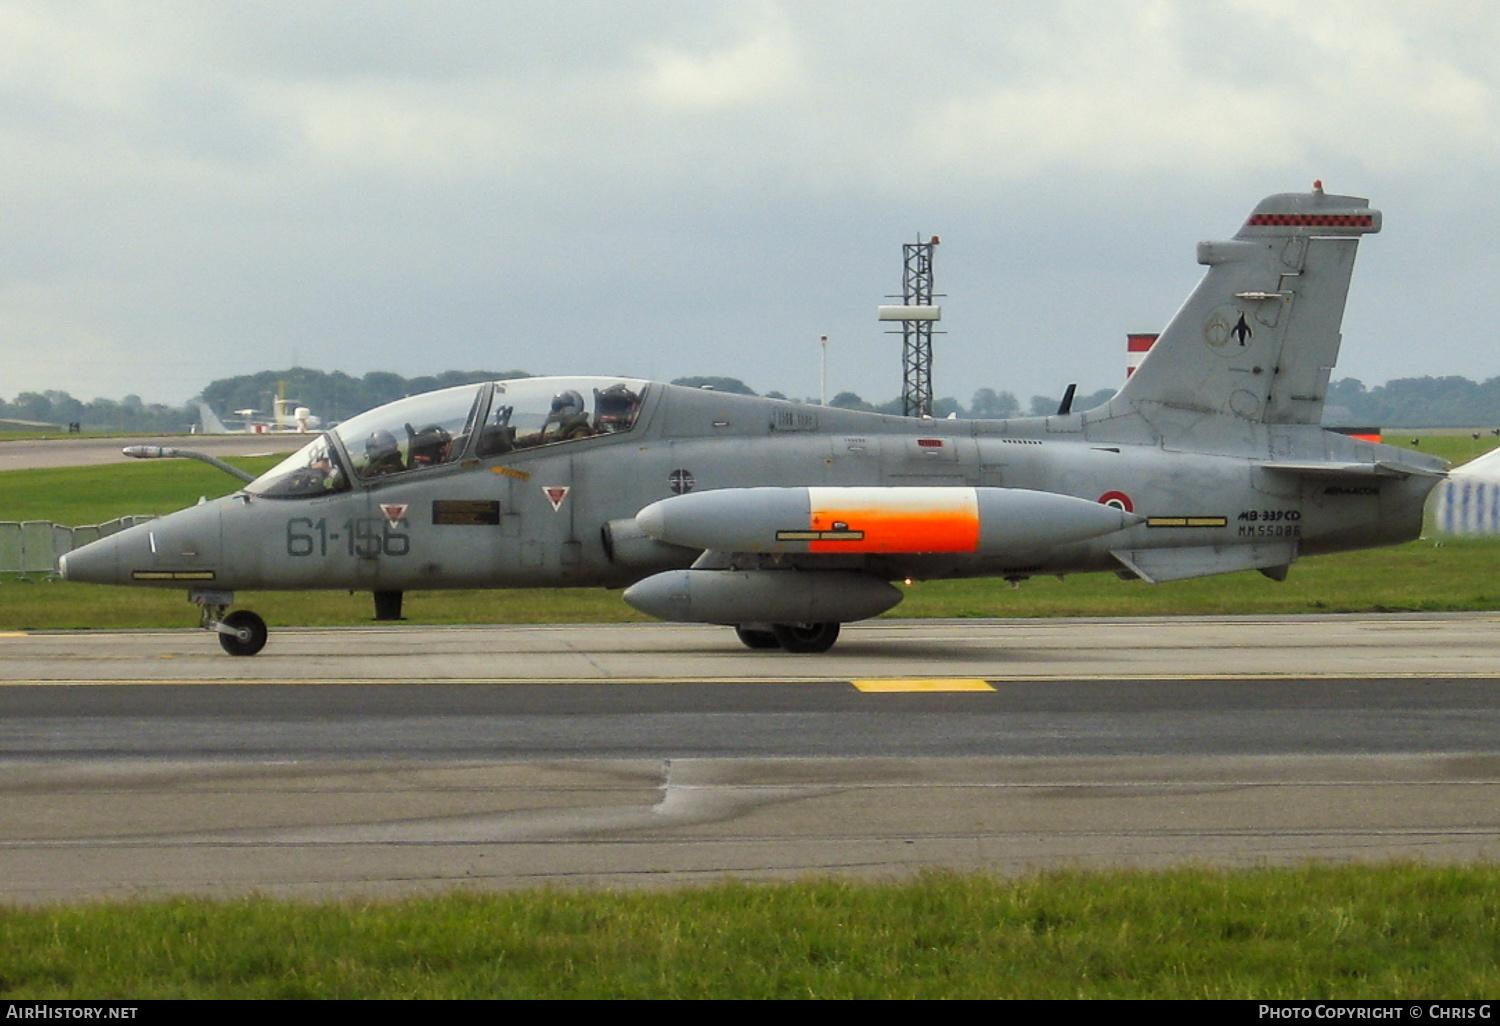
pixel 241 633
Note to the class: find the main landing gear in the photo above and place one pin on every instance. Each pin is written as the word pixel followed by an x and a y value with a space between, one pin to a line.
pixel 241 633
pixel 789 637
pixel 388 605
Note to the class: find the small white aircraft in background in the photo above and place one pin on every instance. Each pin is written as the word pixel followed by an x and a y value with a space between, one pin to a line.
pixel 288 418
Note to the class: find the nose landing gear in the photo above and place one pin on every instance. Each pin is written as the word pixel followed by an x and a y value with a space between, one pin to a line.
pixel 241 633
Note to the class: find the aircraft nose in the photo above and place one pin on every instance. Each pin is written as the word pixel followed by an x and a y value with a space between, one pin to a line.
pixel 184 546
pixel 108 560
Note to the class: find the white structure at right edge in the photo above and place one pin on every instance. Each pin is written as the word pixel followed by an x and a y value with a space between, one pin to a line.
pixel 1468 502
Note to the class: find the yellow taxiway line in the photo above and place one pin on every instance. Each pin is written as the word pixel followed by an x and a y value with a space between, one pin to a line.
pixel 922 684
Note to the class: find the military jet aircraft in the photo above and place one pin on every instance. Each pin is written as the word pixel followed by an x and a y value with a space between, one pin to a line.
pixel 786 520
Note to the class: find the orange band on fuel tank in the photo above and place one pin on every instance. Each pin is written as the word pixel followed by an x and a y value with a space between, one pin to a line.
pixel 895 519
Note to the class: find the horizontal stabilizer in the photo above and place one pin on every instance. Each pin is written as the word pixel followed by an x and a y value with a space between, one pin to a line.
pixel 1157 565
pixel 1378 468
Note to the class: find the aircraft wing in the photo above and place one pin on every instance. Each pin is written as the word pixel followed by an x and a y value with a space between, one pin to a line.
pixel 1157 565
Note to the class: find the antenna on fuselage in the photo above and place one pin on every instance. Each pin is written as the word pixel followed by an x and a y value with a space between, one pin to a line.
pixel 1066 406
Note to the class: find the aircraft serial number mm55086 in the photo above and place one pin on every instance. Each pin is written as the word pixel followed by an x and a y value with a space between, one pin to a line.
pixel 784 520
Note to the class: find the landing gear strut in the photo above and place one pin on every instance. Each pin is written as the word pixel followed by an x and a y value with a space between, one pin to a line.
pixel 388 605
pixel 241 633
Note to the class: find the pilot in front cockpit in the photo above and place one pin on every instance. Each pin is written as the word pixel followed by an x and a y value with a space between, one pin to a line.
pixel 568 419
pixel 382 455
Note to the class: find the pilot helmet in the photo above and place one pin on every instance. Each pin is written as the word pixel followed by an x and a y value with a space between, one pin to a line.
pixel 566 404
pixel 430 445
pixel 616 405
pixel 380 445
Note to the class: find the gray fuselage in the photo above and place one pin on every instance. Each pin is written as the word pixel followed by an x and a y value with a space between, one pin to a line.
pixel 559 514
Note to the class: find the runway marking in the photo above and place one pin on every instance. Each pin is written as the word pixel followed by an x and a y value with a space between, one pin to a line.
pixel 921 684
pixel 868 685
pixel 402 682
pixel 872 686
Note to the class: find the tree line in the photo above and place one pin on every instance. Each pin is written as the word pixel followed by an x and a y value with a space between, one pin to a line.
pixel 1419 402
pixel 332 396
pixel 1404 402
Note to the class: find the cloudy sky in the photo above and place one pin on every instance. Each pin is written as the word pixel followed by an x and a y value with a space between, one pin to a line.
pixel 198 189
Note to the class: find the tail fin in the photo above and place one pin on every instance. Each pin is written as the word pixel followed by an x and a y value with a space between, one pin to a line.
pixel 1259 337
pixel 207 419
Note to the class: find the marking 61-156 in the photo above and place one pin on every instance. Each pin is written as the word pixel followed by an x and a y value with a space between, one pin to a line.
pixel 366 537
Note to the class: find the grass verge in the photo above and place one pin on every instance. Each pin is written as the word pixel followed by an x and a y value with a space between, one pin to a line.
pixel 1311 932
pixel 1424 576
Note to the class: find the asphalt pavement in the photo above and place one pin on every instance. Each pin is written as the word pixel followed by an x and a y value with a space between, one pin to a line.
pixel 406 759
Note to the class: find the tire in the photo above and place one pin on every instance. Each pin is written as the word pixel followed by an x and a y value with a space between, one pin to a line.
pixel 757 639
pixel 243 620
pixel 806 637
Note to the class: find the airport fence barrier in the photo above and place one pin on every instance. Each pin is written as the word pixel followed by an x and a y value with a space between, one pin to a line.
pixel 29 549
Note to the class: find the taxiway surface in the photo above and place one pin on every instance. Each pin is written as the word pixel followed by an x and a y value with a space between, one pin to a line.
pixel 1415 645
pixel 79 451
pixel 403 758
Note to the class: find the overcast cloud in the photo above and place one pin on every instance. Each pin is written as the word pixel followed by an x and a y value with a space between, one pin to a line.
pixel 200 189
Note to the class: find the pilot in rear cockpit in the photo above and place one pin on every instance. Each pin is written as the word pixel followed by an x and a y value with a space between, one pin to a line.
pixel 615 408
pixel 430 446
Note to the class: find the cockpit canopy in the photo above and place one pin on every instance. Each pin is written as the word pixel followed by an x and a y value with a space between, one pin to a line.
pixel 467 422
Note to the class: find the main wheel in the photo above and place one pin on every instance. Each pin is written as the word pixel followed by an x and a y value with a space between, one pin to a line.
pixel 806 637
pixel 247 623
pixel 757 639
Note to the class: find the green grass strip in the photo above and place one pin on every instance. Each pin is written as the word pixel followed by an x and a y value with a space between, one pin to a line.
pixel 1314 932
pixel 1452 576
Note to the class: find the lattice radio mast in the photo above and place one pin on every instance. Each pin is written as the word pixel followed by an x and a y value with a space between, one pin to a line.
pixel 917 316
